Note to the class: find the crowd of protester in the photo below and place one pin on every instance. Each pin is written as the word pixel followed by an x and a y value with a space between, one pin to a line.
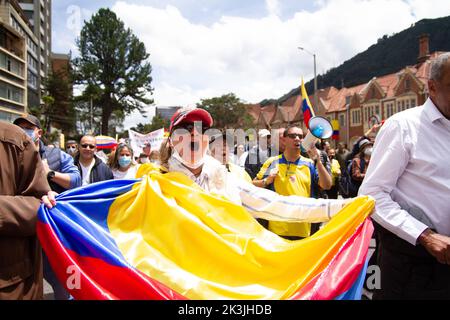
pixel 267 167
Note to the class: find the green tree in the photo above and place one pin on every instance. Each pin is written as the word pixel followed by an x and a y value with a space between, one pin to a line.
pixel 113 64
pixel 60 111
pixel 228 112
pixel 57 110
pixel 157 123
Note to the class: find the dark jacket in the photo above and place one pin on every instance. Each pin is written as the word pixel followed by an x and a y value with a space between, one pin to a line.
pixel 22 184
pixel 254 161
pixel 100 171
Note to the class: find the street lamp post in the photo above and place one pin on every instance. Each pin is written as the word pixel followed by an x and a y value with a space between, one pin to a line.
pixel 315 76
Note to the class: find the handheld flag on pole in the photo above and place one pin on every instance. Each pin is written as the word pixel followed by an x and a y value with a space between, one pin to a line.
pixel 307 109
pixel 335 125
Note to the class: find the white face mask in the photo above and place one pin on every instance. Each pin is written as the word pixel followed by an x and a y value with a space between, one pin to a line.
pixel 189 165
pixel 71 150
pixel 144 160
pixel 368 152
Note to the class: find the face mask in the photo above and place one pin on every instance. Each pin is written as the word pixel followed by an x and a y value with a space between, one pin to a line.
pixel 31 134
pixel 144 160
pixel 71 150
pixel 124 161
pixel 190 165
pixel 155 161
pixel 368 152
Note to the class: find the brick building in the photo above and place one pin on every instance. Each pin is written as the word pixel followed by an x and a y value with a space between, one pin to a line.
pixel 358 107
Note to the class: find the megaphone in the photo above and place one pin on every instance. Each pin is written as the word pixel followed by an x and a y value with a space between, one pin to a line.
pixel 319 128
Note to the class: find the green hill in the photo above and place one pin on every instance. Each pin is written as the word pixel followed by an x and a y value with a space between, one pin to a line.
pixel 388 55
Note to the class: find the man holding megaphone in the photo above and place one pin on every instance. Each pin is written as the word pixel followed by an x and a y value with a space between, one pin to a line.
pixel 292 174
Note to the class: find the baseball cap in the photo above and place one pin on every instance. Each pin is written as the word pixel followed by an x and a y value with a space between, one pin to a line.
pixel 30 119
pixel 263 133
pixel 189 116
pixel 363 143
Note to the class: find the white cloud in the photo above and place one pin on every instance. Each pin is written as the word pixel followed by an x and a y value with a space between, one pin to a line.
pixel 258 58
pixel 421 9
pixel 273 7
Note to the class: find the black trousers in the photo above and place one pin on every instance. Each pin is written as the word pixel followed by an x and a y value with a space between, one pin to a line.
pixel 409 272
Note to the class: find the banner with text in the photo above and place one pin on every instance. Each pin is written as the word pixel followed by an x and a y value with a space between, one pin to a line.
pixel 137 140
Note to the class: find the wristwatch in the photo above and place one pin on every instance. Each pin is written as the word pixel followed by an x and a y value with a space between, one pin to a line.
pixel 50 175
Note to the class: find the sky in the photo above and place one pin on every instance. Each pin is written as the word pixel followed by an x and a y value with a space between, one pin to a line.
pixel 206 48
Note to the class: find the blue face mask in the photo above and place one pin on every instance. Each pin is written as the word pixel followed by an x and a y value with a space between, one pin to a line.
pixel 31 134
pixel 124 161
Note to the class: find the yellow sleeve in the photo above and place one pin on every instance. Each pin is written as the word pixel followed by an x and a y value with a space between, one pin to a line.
pixel 264 168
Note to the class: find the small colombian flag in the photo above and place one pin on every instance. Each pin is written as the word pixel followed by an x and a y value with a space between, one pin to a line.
pixel 307 109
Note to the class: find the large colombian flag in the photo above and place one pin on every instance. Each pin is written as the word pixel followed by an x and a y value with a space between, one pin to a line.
pixel 162 237
pixel 308 111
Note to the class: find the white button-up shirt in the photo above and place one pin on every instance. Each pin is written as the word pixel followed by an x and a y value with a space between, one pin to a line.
pixel 409 173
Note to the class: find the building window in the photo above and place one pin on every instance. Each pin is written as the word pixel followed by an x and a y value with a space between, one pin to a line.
pixel 32 80
pixel 11 65
pixel 407 85
pixel 11 93
pixel 389 110
pixel 3 61
pixel 348 99
pixel 413 103
pixel 342 120
pixel 356 118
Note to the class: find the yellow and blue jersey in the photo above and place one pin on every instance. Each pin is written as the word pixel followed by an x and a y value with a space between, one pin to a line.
pixel 299 178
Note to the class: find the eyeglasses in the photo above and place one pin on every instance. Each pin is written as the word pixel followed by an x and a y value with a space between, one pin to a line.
pixel 189 127
pixel 90 146
pixel 295 135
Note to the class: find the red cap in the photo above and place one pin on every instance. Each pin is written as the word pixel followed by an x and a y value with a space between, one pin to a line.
pixel 190 116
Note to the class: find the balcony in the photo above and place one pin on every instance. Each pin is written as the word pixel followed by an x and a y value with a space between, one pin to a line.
pixel 11 42
pixel 12 93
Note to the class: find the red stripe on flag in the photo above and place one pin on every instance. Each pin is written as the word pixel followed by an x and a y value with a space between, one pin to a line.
pixel 343 270
pixel 111 282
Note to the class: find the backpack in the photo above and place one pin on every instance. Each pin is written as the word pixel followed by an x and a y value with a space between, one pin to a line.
pixel 348 187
